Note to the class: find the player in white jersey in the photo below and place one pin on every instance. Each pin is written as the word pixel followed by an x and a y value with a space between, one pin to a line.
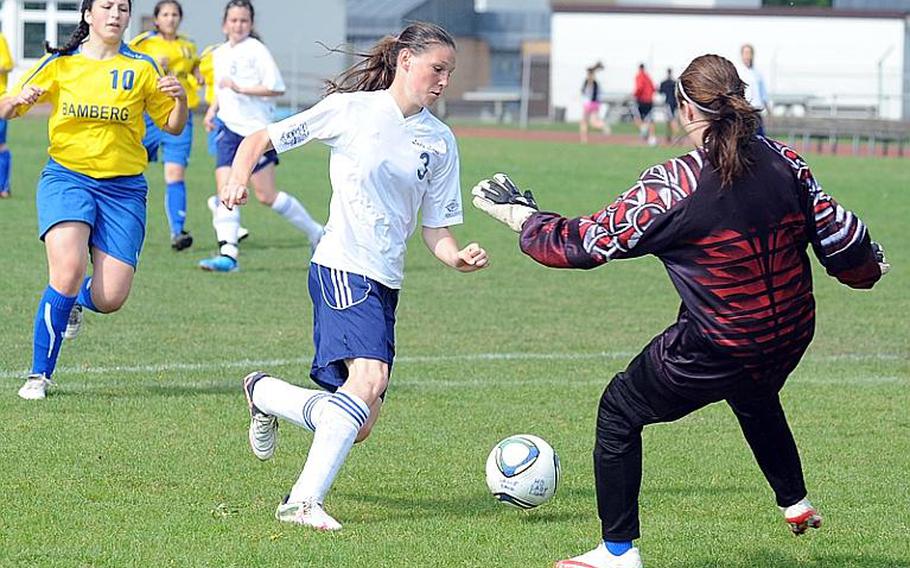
pixel 247 80
pixel 390 158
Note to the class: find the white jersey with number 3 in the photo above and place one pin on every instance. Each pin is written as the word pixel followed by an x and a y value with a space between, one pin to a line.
pixel 383 168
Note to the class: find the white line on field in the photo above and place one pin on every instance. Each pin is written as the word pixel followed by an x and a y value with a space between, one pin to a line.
pixel 252 364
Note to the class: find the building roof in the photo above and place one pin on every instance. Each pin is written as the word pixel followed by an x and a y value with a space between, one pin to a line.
pixel 378 17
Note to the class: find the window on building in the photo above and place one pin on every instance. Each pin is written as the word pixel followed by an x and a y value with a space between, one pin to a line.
pixel 68 6
pixel 34 5
pixel 64 31
pixel 33 38
pixel 798 3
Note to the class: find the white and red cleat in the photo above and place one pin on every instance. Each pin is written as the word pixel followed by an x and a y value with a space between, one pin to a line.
pixel 600 557
pixel 801 517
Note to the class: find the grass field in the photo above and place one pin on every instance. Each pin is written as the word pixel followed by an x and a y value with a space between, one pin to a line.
pixel 139 458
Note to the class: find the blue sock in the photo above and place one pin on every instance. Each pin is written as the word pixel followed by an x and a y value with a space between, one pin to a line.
pixel 175 204
pixel 85 295
pixel 619 547
pixel 5 160
pixel 50 323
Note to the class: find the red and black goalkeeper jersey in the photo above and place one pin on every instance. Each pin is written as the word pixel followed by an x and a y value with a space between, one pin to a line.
pixel 737 256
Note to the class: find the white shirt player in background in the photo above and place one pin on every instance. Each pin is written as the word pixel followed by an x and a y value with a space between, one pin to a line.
pixel 390 158
pixel 756 92
pixel 247 80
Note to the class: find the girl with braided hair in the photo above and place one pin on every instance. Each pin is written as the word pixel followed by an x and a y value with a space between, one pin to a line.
pixel 390 158
pixel 731 221
pixel 92 194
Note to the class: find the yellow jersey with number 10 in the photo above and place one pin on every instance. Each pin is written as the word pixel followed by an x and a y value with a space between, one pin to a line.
pixel 175 57
pixel 96 125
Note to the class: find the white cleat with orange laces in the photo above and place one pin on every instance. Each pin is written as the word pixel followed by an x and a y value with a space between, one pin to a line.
pixel 600 557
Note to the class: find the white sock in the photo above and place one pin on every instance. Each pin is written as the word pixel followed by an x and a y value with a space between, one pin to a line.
pixel 288 207
pixel 295 404
pixel 227 223
pixel 338 421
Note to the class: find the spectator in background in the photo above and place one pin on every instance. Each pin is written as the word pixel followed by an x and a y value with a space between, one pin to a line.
pixel 644 100
pixel 668 90
pixel 590 111
pixel 756 93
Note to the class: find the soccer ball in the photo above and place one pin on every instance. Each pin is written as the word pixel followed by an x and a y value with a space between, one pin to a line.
pixel 523 471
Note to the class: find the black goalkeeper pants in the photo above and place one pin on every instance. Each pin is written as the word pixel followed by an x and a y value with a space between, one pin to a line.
pixel 640 396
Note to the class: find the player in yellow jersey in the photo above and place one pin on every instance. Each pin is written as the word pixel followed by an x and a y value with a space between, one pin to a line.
pixel 6 65
pixel 92 194
pixel 176 55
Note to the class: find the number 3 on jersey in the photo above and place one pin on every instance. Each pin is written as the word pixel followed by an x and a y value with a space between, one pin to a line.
pixel 422 172
pixel 129 77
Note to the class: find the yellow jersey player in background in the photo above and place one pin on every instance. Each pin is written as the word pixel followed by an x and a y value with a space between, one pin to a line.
pixel 6 65
pixel 91 194
pixel 175 55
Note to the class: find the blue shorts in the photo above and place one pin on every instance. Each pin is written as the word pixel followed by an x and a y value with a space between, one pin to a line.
pixel 176 147
pixel 212 137
pixel 2 131
pixel 227 143
pixel 114 208
pixel 353 317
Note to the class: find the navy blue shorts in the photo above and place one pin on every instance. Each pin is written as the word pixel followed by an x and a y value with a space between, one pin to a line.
pixel 115 208
pixel 227 142
pixel 353 317
pixel 212 137
pixel 176 147
pixel 2 131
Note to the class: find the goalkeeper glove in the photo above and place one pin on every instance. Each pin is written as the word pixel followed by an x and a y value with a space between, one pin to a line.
pixel 501 199
pixel 879 253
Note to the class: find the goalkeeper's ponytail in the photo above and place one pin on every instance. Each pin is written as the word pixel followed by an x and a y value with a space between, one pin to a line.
pixel 376 70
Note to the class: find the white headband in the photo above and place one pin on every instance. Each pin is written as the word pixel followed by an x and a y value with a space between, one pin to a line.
pixel 682 91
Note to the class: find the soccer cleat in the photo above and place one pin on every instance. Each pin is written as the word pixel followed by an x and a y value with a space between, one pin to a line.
pixel 801 517
pixel 181 241
pixel 306 513
pixel 263 432
pixel 219 263
pixel 600 557
pixel 74 323
pixel 35 387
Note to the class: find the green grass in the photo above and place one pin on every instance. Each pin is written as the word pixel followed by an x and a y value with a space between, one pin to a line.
pixel 140 456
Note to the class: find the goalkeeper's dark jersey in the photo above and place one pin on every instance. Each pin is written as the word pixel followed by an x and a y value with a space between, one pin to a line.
pixel 737 256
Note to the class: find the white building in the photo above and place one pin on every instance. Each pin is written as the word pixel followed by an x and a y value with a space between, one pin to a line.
pixel 289 28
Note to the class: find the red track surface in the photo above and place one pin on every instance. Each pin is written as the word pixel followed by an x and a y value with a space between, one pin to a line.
pixel 844 149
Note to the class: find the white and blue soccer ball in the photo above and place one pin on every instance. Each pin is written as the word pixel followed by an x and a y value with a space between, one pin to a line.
pixel 523 471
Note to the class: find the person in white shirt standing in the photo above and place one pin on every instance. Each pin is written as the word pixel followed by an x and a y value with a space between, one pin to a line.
pixel 390 158
pixel 756 93
pixel 247 80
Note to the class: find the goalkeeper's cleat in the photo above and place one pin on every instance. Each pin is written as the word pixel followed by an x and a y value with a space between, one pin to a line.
pixel 801 517
pixel 35 387
pixel 306 513
pixel 600 557
pixel 73 323
pixel 181 241
pixel 263 433
pixel 219 263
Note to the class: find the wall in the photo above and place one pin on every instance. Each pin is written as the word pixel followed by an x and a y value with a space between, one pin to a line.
pixel 823 56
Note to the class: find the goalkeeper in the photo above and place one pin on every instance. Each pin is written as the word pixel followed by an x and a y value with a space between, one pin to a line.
pixel 731 221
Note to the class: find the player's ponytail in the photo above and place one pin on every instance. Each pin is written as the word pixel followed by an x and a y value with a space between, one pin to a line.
pixel 80 33
pixel 376 70
pixel 711 84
